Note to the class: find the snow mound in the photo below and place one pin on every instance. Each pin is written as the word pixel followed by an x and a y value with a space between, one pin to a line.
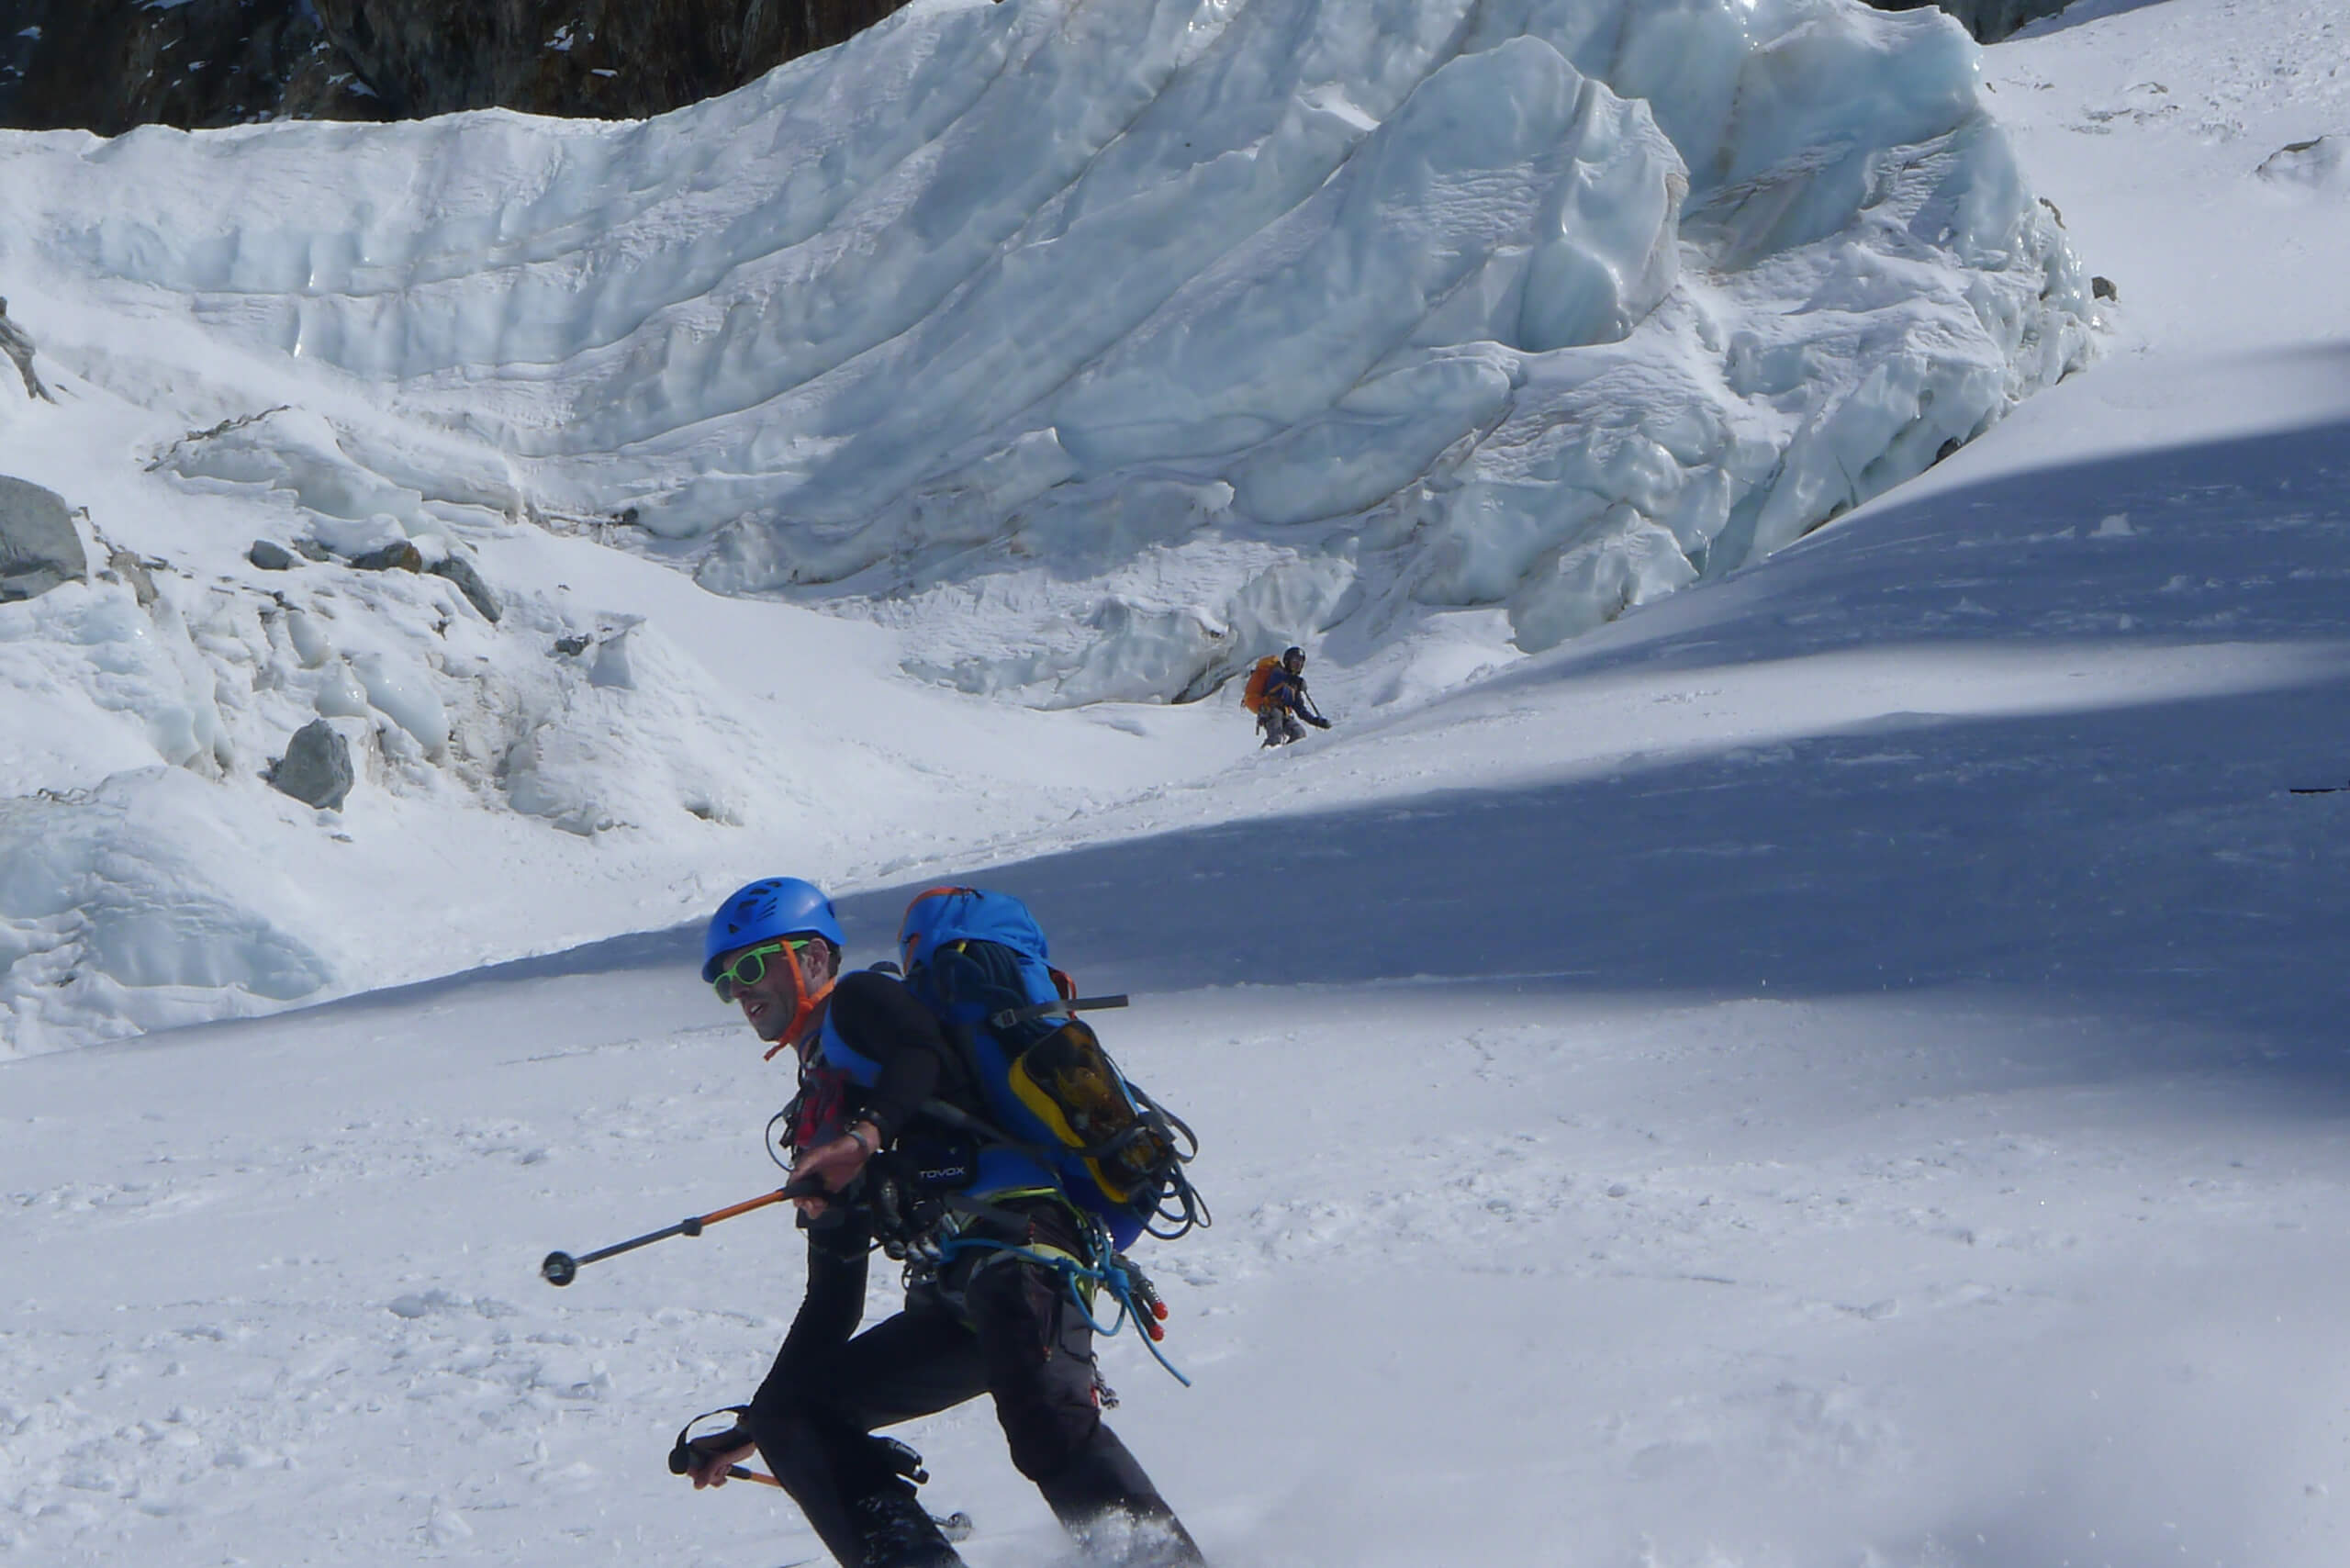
pixel 1205 325
pixel 112 920
pixel 150 877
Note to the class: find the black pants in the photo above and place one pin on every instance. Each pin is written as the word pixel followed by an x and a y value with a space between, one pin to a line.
pixel 1017 1338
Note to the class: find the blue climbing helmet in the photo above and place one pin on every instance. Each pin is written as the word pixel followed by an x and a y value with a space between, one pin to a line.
pixel 765 909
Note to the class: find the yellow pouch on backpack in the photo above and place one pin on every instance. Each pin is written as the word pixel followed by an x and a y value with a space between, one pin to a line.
pixel 1071 1084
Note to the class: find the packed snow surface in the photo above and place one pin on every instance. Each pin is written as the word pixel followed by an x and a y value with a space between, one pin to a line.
pixel 1840 1067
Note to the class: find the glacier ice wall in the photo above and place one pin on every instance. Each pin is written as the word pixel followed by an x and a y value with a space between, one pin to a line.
pixel 1202 324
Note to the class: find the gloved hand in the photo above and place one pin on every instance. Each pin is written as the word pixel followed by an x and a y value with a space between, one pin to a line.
pixel 1317 721
pixel 833 1164
pixel 714 1456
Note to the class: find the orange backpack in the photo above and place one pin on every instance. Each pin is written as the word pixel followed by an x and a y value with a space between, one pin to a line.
pixel 1254 696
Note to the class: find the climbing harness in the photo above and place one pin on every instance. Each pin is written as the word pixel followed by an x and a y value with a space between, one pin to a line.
pixel 1105 1269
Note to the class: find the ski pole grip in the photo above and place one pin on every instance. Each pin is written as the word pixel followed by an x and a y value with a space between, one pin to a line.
pixel 682 1457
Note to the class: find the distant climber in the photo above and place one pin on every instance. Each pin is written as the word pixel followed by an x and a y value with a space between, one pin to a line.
pixel 17 346
pixel 1276 694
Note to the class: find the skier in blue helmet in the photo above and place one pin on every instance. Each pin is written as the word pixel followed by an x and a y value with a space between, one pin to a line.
pixel 773 927
pixel 873 1060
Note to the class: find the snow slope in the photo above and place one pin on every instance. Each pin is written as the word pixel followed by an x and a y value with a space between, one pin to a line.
pixel 1839 1067
pixel 1079 352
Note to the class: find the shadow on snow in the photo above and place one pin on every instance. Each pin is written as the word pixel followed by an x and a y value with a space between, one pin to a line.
pixel 2140 862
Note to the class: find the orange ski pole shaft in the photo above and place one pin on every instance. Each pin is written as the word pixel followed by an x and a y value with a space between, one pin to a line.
pixel 562 1267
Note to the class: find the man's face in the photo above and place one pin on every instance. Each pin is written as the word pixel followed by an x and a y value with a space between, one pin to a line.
pixel 770 1002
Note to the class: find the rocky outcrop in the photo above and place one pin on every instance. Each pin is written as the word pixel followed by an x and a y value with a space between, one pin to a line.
pixel 316 768
pixel 400 555
pixel 460 571
pixel 39 548
pixel 1988 21
pixel 610 59
pixel 133 573
pixel 106 66
pixel 17 344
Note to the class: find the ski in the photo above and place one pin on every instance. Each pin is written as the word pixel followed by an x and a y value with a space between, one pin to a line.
pixel 2320 789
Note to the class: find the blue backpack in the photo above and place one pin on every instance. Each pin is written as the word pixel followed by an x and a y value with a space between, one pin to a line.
pixel 1060 1114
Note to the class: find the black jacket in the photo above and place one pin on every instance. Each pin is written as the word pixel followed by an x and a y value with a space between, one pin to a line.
pixel 880 1019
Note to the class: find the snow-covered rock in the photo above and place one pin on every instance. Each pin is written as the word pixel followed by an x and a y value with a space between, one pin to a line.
pixel 39 549
pixel 316 768
pixel 2321 164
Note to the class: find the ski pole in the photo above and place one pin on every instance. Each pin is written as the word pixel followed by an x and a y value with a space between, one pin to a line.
pixel 562 1267
pixel 1011 1015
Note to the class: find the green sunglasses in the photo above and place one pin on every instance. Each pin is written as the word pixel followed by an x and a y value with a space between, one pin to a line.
pixel 752 966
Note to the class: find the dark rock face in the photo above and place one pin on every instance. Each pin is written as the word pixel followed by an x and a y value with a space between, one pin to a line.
pixel 610 59
pixel 106 66
pixel 316 768
pixel 1988 21
pixel 39 548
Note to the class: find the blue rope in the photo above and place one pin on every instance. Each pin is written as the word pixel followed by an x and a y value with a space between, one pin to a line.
pixel 1117 1281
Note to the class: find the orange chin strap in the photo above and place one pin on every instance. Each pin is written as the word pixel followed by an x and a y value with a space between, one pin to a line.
pixel 804 1008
